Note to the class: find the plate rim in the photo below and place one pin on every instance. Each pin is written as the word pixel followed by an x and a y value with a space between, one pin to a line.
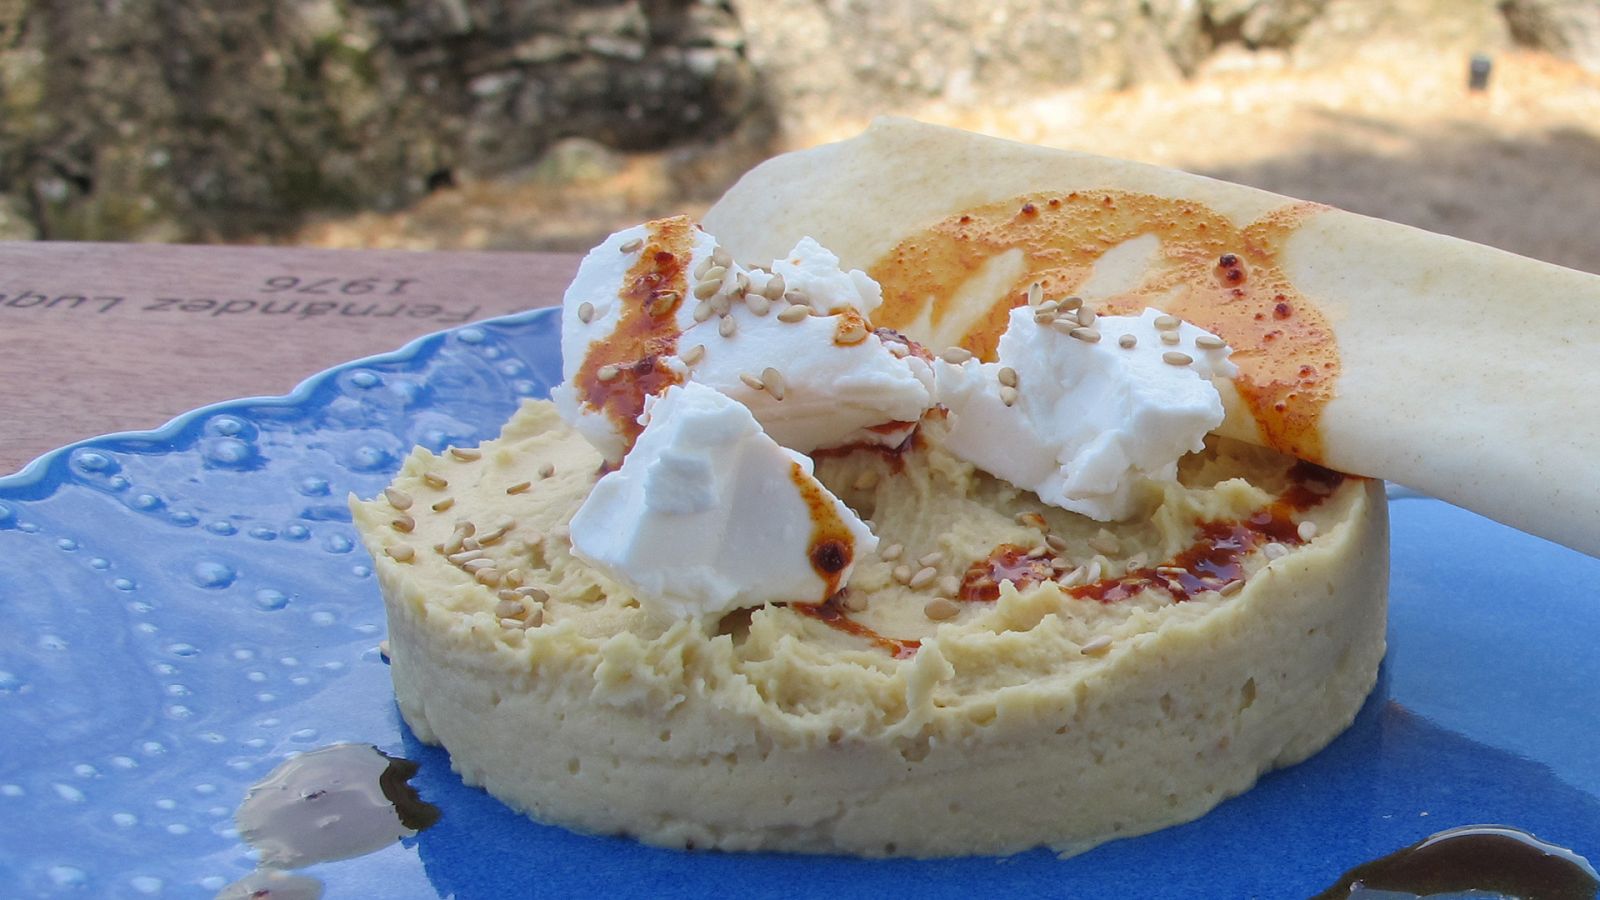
pixel 35 472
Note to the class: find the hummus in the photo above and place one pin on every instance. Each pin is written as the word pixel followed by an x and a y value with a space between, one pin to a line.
pixel 953 700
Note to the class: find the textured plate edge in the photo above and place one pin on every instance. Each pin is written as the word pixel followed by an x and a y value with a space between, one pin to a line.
pixel 35 472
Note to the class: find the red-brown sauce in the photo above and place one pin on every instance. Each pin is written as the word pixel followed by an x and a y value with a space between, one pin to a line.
pixel 1215 559
pixel 1008 562
pixel 647 331
pixel 1226 279
pixel 835 616
pixel 832 546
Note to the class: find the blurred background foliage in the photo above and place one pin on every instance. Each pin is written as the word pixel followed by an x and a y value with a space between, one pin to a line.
pixel 543 124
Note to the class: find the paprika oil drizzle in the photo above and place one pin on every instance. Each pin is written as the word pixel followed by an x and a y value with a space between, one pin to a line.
pixel 836 617
pixel 832 546
pixel 1211 563
pixel 647 331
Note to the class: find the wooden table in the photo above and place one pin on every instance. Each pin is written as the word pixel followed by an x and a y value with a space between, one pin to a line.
pixel 97 338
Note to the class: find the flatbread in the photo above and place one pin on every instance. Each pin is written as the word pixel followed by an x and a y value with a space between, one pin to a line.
pixel 1462 371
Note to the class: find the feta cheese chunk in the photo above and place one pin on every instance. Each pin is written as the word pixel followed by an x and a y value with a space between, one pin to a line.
pixel 707 514
pixel 1090 420
pixel 838 382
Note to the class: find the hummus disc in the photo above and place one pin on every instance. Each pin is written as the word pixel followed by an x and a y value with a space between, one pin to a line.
pixel 1079 683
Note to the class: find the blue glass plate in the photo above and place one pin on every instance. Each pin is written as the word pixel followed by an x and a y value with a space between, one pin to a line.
pixel 180 609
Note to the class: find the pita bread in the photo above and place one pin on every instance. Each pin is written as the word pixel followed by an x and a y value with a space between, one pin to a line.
pixel 1459 370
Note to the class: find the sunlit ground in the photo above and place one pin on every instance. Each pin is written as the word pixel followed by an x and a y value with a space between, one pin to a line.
pixel 1517 166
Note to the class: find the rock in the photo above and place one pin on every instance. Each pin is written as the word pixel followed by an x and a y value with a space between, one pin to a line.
pixel 1566 28
pixel 576 160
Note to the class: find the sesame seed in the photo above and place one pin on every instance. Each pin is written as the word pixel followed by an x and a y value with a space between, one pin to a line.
pixel 899 351
pixel 1210 342
pixel 515 577
pixel 630 246
pixel 535 617
pixel 470 544
pixel 1307 530
pixel 1032 519
pixel 891 552
pixel 854 601
pixel 1086 334
pixel 444 504
pixel 1096 646
pixel 1176 358
pixel 794 313
pixel 1170 338
pixel 1127 342
pixel 758 304
pixel 727 327
pixel 774 289
pixel 1085 316
pixel 1056 542
pixel 403 524
pixel 546 470
pixel 1275 550
pixel 519 487
pixel 487 577
pixel 400 552
pixel 1231 588
pixel 1008 395
pixel 397 498
pixel 1071 303
pixel 608 373
pixel 1048 307
pixel 451 547
pixel 662 303
pixel 465 556
pixel 1065 325
pixel 1059 564
pixel 1075 577
pixel 499 532
pixel 701 268
pixel 383 648
pixel 751 382
pixel 949 584
pixel 715 273
pixel 1042 317
pixel 940 609
pixel 721 257
pixel 438 482
pixel 923 577
pixel 466 527
pixel 585 312
pixel 1038 551
pixel 1167 323
pixel 931 559
pixel 706 288
pixel 510 606
pixel 741 283
pixel 955 356
pixel 1007 376
pixel 901 573
pixel 477 563
pixel 850 334
pixel 534 594
pixel 465 454
pixel 721 304
pixel 1171 571
pixel 512 624
pixel 702 311
pixel 773 379
pixel 1105 542
pixel 1035 294
pixel 694 354
pixel 866 481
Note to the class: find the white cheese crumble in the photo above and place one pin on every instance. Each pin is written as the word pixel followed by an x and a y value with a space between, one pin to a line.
pixel 707 514
pixel 841 384
pixel 1091 420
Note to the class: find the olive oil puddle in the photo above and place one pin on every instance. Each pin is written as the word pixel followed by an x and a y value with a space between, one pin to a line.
pixel 332 803
pixel 1472 861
